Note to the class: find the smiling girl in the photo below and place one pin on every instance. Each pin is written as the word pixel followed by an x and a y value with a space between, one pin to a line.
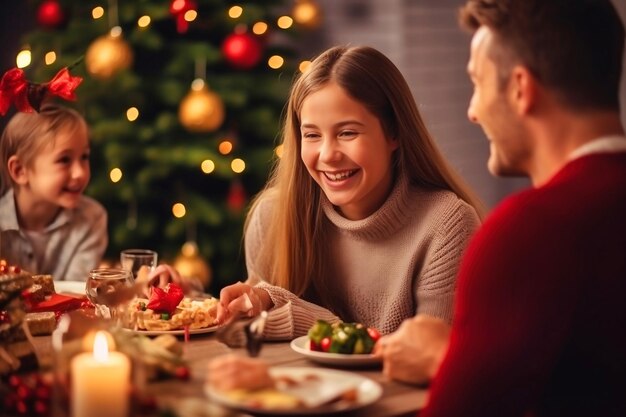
pixel 47 225
pixel 362 219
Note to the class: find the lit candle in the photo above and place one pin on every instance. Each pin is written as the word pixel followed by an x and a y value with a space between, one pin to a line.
pixel 100 381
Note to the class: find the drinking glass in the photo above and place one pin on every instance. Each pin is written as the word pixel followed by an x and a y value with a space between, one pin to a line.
pixel 133 259
pixel 101 283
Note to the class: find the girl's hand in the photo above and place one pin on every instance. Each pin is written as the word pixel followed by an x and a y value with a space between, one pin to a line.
pixel 164 274
pixel 242 299
pixel 228 372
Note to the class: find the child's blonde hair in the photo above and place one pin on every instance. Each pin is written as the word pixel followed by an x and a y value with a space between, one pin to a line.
pixel 27 135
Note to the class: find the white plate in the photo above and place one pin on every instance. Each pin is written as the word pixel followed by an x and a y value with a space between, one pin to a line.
pixel 301 345
pixel 368 392
pixel 70 287
pixel 180 332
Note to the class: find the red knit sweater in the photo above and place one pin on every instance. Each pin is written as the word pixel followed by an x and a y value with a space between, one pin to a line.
pixel 540 317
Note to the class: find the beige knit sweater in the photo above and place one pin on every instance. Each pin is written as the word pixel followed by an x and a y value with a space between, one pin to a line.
pixel 401 260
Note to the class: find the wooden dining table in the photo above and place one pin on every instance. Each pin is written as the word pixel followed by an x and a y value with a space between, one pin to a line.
pixel 187 397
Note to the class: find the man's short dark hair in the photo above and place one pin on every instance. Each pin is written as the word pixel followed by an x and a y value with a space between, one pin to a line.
pixel 573 47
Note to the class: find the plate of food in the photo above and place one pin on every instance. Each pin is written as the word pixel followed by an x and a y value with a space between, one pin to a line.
pixel 176 332
pixel 339 344
pixel 169 311
pixel 302 391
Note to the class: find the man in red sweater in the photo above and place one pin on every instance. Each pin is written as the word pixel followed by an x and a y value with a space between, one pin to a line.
pixel 540 315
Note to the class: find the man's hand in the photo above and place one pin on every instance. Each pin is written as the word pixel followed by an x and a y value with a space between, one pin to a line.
pixel 414 352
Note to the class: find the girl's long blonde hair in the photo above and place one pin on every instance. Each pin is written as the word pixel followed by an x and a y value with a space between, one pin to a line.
pixel 298 227
pixel 27 135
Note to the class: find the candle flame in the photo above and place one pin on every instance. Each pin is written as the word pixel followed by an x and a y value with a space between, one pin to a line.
pixel 101 347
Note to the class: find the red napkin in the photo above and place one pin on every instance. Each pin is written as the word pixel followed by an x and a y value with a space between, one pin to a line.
pixel 166 300
pixel 60 302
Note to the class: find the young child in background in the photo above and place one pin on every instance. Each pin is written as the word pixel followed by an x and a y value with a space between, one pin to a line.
pixel 47 225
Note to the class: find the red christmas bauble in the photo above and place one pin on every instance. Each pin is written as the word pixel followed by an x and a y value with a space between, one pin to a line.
pixel 242 50
pixel 236 198
pixel 51 15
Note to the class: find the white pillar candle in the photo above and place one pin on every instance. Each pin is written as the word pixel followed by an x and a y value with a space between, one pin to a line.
pixel 100 382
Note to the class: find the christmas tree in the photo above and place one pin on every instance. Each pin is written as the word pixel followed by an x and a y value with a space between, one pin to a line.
pixel 183 99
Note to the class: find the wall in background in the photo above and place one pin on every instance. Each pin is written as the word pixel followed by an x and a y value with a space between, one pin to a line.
pixel 424 40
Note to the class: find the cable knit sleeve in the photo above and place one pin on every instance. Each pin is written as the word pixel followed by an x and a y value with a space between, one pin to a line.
pixel 291 315
pixel 437 282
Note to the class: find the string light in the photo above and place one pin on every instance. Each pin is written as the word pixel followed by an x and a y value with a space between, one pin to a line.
pixel 304 66
pixel 207 166
pixel 50 57
pixel 178 5
pixel 235 12
pixel 132 114
pixel 144 21
pixel 307 13
pixel 197 84
pixel 284 22
pixel 238 165
pixel 179 210
pixel 259 28
pixel 97 12
pixel 225 147
pixel 190 15
pixel 115 175
pixel 275 61
pixel 23 58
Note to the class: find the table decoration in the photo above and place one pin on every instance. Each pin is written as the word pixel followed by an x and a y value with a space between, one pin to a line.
pixel 16 350
pixel 100 381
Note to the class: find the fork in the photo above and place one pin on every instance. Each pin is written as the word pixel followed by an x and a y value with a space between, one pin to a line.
pixel 252 336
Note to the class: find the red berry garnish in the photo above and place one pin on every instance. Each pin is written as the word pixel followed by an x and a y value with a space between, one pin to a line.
pixel 182 373
pixel 24 392
pixel 21 407
pixel 41 407
pixel 373 333
pixel 43 392
pixel 325 344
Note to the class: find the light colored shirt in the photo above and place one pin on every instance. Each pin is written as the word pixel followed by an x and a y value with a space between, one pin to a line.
pixel 401 260
pixel 604 144
pixel 75 241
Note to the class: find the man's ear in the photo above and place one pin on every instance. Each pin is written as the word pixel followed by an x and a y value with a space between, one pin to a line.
pixel 523 89
pixel 17 170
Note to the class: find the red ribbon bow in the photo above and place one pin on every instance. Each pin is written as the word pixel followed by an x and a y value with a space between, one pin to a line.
pixel 27 96
pixel 63 85
pixel 165 300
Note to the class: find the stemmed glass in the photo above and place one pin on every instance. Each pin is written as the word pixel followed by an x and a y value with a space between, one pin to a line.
pixel 101 285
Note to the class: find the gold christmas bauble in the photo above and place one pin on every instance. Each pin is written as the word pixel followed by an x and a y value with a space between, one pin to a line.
pixel 307 13
pixel 107 55
pixel 201 110
pixel 190 264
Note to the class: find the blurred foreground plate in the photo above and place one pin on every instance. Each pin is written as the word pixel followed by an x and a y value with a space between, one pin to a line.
pixel 314 386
